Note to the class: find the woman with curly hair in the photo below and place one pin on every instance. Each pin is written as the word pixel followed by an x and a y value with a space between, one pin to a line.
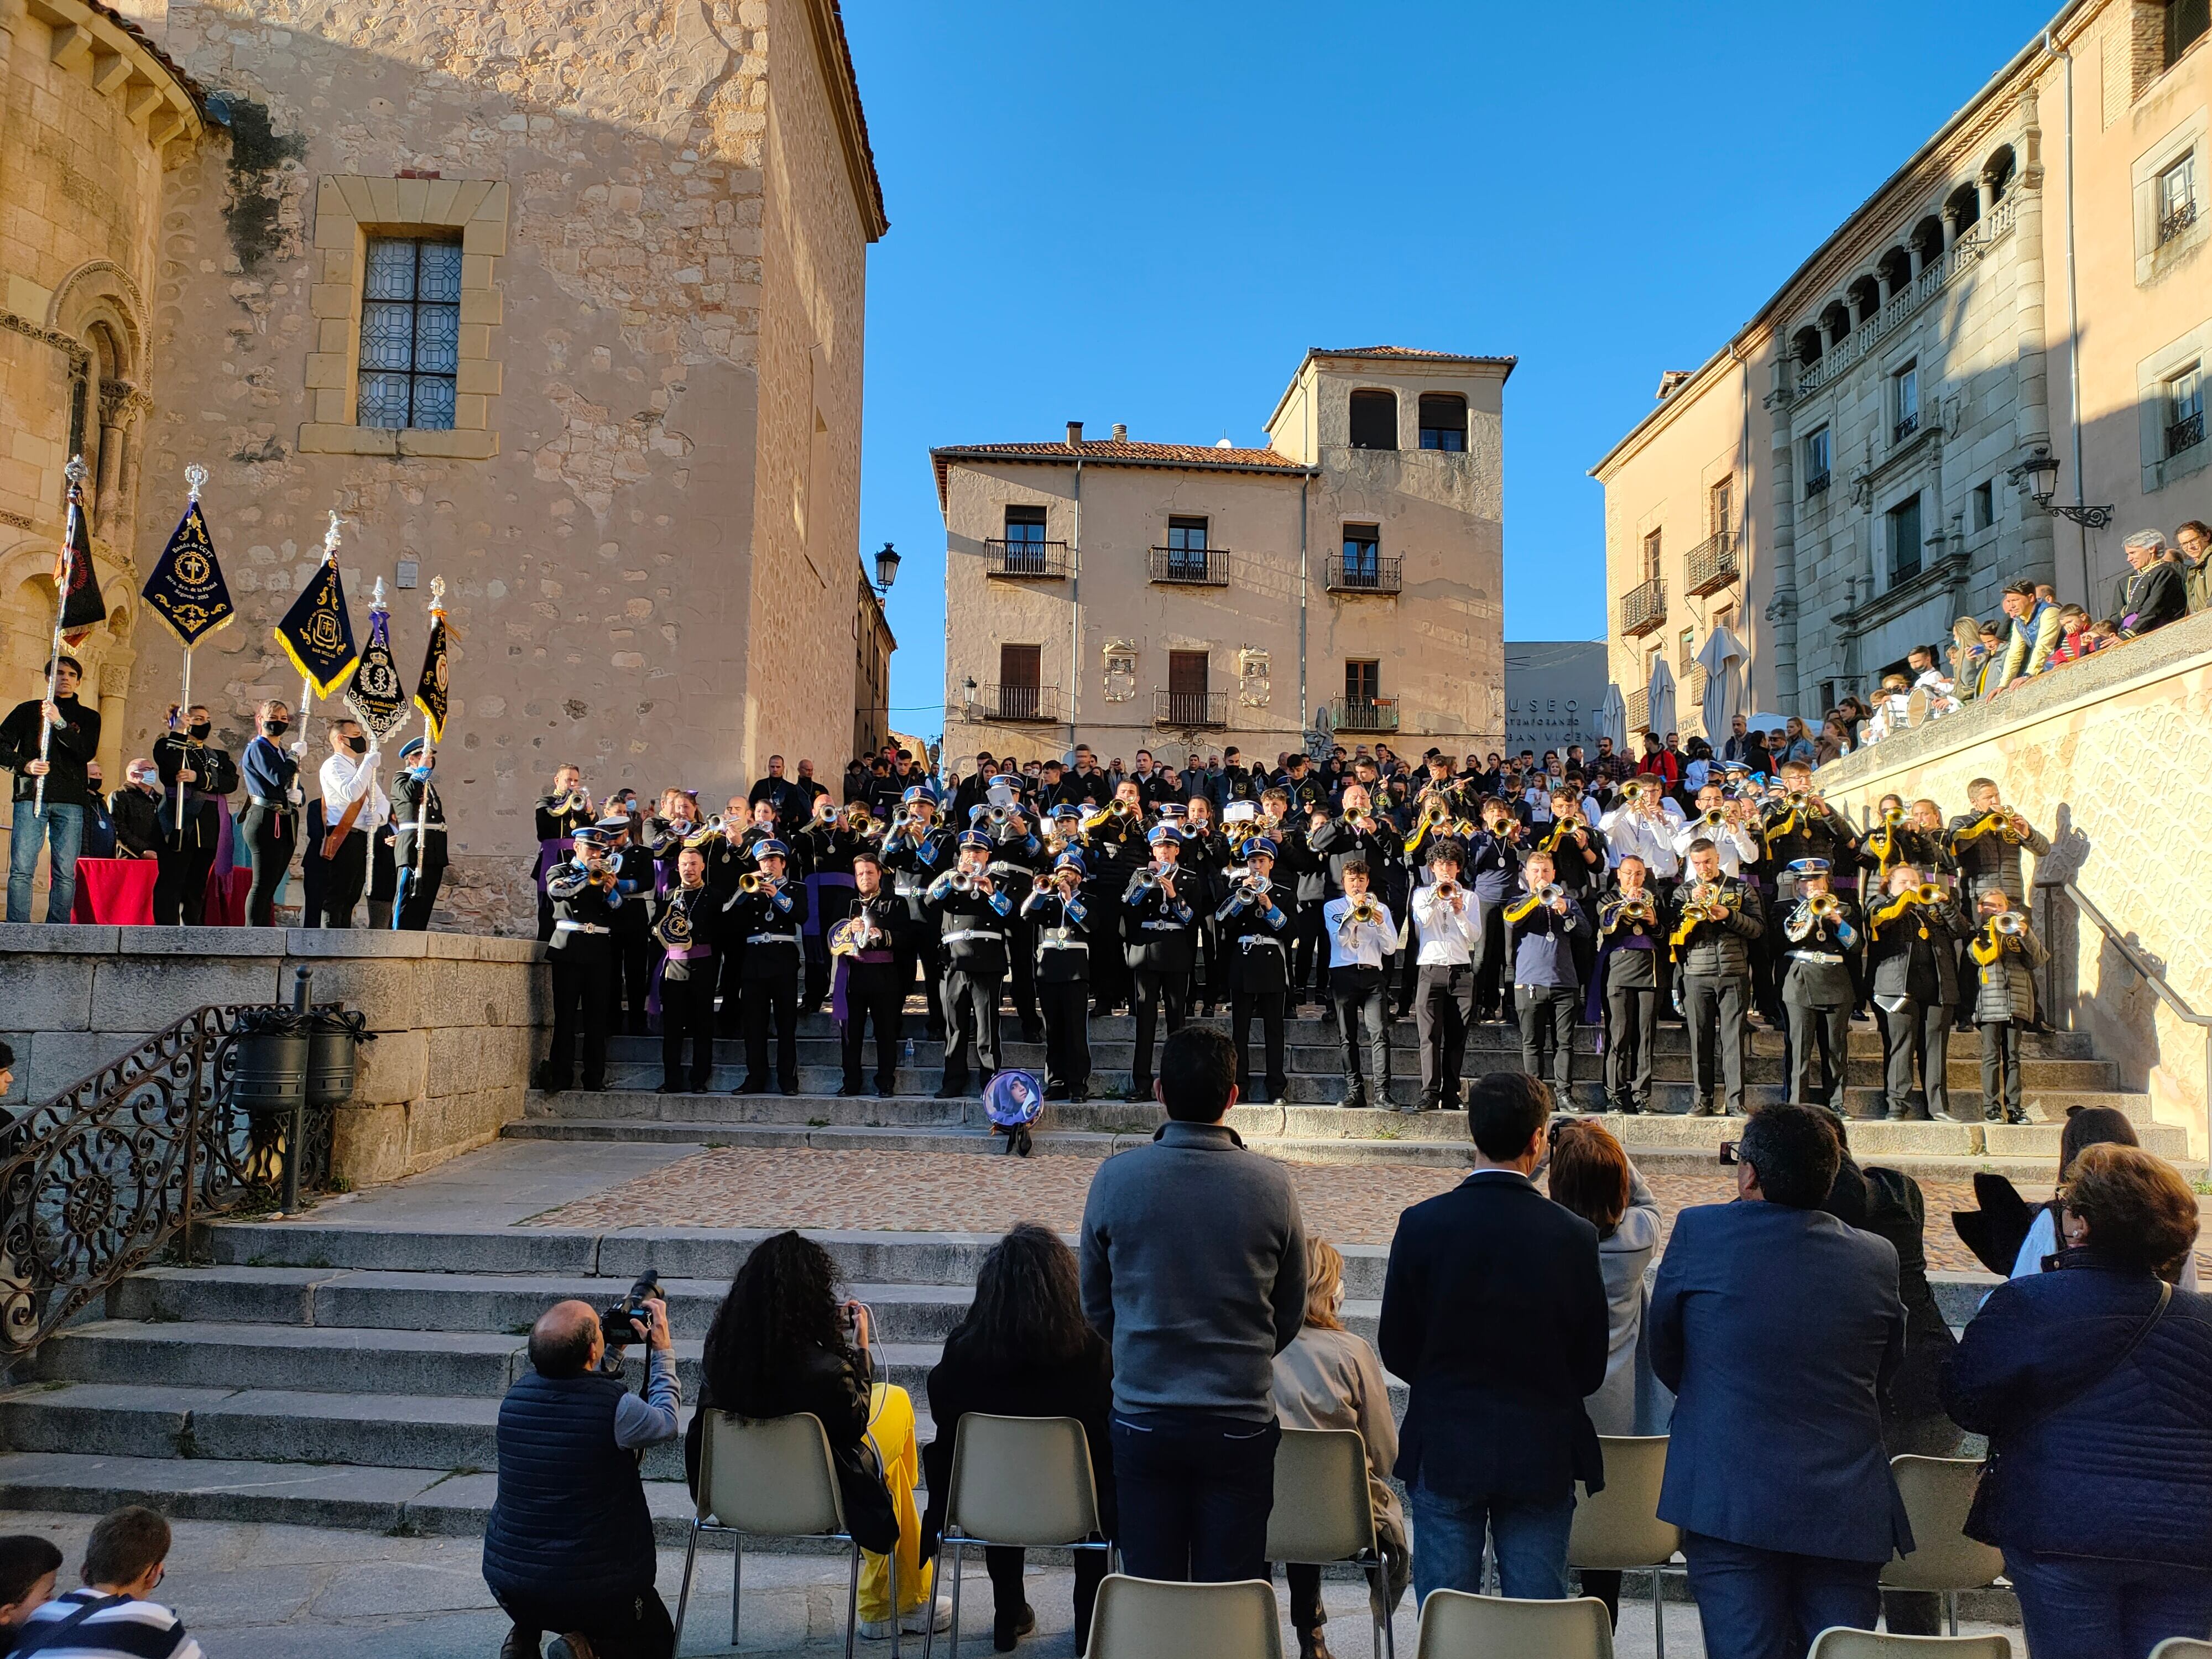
pixel 1024 1350
pixel 782 1343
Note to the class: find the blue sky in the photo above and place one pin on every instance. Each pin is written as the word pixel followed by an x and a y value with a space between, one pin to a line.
pixel 1147 213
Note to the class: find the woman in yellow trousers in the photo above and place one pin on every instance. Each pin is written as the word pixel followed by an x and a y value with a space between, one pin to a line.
pixel 890 1431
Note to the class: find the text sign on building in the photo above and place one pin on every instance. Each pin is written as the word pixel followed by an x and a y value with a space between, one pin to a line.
pixel 1552 691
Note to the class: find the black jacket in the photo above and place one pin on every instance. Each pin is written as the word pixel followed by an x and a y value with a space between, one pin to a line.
pixel 1892 947
pixel 962 1381
pixel 138 815
pixel 75 744
pixel 1494 1312
pixel 2154 596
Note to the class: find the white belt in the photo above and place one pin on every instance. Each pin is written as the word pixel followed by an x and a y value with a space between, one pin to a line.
pixel 1825 958
pixel 1063 944
pixel 771 939
pixel 905 886
pixel 440 827
pixel 567 927
pixel 1165 926
pixel 1252 942
pixel 992 934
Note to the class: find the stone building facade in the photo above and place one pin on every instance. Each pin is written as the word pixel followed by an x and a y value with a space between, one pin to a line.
pixel 562 302
pixel 1341 581
pixel 1840 481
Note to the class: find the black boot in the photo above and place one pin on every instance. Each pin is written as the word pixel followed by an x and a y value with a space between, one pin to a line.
pixel 1006 1629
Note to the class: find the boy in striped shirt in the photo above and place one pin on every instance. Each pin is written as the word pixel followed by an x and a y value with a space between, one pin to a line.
pixel 111 1618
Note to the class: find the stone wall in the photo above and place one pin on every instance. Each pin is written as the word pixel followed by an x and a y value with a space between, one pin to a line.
pixel 2105 757
pixel 459 1020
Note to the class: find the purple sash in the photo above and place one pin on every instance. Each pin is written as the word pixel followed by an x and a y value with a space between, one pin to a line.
pixel 688 953
pixel 815 883
pixel 549 852
pixel 837 1007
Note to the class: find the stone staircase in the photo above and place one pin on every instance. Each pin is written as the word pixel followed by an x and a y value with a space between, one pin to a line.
pixel 2060 1070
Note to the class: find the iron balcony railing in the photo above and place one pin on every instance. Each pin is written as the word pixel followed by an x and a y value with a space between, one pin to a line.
pixel 1190 711
pixel 1362 714
pixel 1374 574
pixel 1643 607
pixel 1016 703
pixel 2175 222
pixel 1639 716
pixel 1029 561
pixel 1711 565
pixel 2185 434
pixel 1191 567
pixel 1904 427
pixel 1816 485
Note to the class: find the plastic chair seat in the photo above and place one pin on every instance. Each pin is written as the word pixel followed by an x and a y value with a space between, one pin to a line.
pixel 1457 1625
pixel 1144 1619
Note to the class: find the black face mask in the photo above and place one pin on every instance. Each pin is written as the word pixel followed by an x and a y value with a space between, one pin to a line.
pixel 275 728
pixel 359 746
pixel 199 732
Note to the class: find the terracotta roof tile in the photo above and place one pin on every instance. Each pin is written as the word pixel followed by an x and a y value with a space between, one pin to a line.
pixel 1408 351
pixel 1119 451
pixel 193 88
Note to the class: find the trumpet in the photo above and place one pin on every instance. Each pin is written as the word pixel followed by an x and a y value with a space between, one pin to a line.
pixel 1364 910
pixel 1253 889
pixel 1550 893
pixel 1713 819
pixel 860 821
pixel 1709 902
pixel 825 813
pixel 1634 791
pixel 963 882
pixel 1638 904
pixel 1824 905
pixel 1240 832
pixel 1929 893
pixel 1446 891
pixel 752 882
pixel 576 800
pixel 2009 924
pixel 1893 816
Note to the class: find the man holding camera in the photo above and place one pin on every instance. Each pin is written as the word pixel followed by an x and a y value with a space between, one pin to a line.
pixel 569 1545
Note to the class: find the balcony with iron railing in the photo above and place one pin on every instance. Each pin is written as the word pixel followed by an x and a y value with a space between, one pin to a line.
pixel 1361 714
pixel 2184 434
pixel 1637 718
pixel 1014 705
pixel 1711 565
pixel 1960 257
pixel 1643 607
pixel 1904 427
pixel 1019 560
pixel 1191 567
pixel 1365 575
pixel 2173 223
pixel 1816 485
pixel 1190 711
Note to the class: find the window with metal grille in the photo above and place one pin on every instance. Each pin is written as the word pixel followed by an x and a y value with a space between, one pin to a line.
pixel 1374 420
pixel 411 333
pixel 1443 422
pixel 2186 23
pixel 2184 409
pixel 1816 461
pixel 2177 198
pixel 1362 546
pixel 1905 402
pixel 1904 541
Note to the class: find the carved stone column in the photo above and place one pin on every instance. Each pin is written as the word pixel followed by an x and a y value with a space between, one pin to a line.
pixel 2036 559
pixel 1782 609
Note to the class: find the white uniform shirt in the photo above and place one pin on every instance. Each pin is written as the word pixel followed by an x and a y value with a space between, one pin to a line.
pixel 1362 944
pixel 1629 832
pixel 1449 938
pixel 344 778
pixel 1735 842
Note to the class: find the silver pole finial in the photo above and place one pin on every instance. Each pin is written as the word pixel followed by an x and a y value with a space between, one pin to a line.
pixel 76 470
pixel 196 477
pixel 330 536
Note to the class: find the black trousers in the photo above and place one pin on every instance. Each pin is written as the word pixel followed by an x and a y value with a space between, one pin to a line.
pixel 180 883
pixel 916 952
pixel 971 1014
pixel 343 878
pixel 1999 1066
pixel 1715 1009
pixel 872 994
pixel 419 893
pixel 635 955
pixel 636 1628
pixel 1109 970
pixel 730 1022
pixel 1309 953
pixel 274 835
pixel 1917 1031
pixel 1021 945
pixel 1067 1009
pixel 1209 987
pixel 687 1014
pixel 1195 1490
pixel 582 975
pixel 1360 998
pixel 1820 1042
pixel 817 991
pixel 777 995
pixel 1004 1567
pixel 1444 1003
pixel 1493 986
pixel 1149 988
pixel 383 879
pixel 1547 1035
pixel 1631 1013
pixel 1269 1005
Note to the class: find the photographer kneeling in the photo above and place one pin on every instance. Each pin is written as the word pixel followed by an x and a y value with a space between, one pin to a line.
pixel 569 1545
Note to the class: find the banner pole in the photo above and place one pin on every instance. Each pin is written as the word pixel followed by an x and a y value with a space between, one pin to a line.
pixel 74 472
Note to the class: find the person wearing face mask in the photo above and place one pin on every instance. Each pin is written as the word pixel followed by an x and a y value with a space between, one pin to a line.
pixel 273 797
pixel 136 809
pixel 99 825
pixel 354 807
pixel 73 742
pixel 420 850
pixel 195 774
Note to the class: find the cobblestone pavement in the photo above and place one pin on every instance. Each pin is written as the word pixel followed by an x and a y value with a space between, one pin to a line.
pixel 953 1192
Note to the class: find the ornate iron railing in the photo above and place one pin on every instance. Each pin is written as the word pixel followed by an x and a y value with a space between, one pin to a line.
pixel 1711 565
pixel 1037 561
pixel 1643 607
pixel 101 1177
pixel 2184 435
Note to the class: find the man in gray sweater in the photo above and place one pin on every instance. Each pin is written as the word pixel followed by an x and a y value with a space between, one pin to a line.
pixel 1194 1270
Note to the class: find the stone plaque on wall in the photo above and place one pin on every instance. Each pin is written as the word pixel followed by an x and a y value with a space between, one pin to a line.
pixel 1120 671
pixel 1252 682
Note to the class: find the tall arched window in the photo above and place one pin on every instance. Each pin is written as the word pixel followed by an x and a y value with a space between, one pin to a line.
pixel 1895 271
pixel 1805 345
pixel 1997 174
pixel 1866 300
pixel 1928 241
pixel 1963 208
pixel 1374 420
pixel 1836 323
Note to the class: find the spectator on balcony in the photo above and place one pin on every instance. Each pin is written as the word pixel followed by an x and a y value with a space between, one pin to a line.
pixel 2155 594
pixel 2075 642
pixel 1738 746
pixel 1798 744
pixel 2192 550
pixel 1969 658
pixel 1660 762
pixel 1834 741
pixel 2033 637
pixel 1756 754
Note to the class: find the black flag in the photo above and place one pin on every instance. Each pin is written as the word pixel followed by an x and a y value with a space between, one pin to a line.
pixel 83 609
pixel 186 590
pixel 316 633
pixel 430 693
pixel 376 696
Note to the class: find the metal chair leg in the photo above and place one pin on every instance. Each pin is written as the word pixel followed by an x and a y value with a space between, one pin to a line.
pixel 737 1588
pixel 853 1604
pixel 890 1564
pixel 1951 1609
pixel 1658 1617
pixel 959 1561
pixel 683 1595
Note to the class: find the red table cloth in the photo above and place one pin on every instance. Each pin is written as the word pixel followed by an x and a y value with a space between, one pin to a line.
pixel 114 890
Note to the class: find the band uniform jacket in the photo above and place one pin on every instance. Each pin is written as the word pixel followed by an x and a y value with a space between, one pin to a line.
pixel 1376 846
pixel 413 798
pixel 555 824
pixel 1633 967
pixel 769 923
pixel 1162 932
pixel 1810 832
pixel 915 861
pixel 1987 859
pixel 1063 936
pixel 971 927
pixel 2005 968
pixel 1255 939
pixel 1718 950
pixel 1819 950
pixel 1894 945
pixel 1578 874
pixel 590 905
pixel 217 776
pixel 703 915
pixel 885 912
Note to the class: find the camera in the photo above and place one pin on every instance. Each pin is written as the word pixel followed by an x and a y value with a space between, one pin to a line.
pixel 1727 1153
pixel 614 1322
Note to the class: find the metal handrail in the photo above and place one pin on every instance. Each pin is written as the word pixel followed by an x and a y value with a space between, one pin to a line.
pixel 2156 981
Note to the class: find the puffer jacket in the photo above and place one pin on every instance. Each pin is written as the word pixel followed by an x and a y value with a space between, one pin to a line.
pixel 1891 945
pixel 1718 950
pixel 2007 984
pixel 2090 1459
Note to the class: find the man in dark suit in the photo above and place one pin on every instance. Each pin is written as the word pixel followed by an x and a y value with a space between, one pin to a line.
pixel 1778 1328
pixel 1494 1312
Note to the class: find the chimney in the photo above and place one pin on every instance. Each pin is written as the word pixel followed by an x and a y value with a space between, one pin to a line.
pixel 1074 434
pixel 1120 432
